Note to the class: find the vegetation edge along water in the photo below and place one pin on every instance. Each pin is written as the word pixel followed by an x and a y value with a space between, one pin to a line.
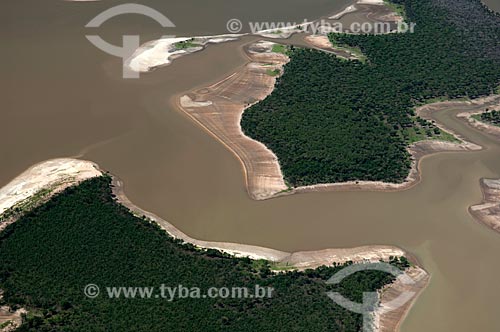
pixel 330 120
pixel 83 236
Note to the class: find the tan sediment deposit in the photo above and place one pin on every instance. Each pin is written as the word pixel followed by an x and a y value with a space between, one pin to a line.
pixel 39 182
pixel 299 260
pixel 488 212
pixel 321 42
pixel 162 52
pixel 10 319
pixel 390 314
pixel 369 11
pixel 491 102
pixel 58 174
pixel 218 109
pixel 478 105
pixel 388 318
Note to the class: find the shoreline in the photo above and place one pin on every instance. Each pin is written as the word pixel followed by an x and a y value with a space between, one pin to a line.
pixel 300 260
pixel 484 127
pixel 162 52
pixel 488 211
pixel 87 170
pixel 218 109
pixel 388 318
pixel 210 108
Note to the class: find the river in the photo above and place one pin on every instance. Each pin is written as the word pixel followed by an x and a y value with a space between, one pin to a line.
pixel 64 97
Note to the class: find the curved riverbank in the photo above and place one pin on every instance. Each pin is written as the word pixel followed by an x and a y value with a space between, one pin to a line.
pixel 219 107
pixel 38 183
pixel 59 174
pixel 161 52
pixel 487 103
pixel 488 212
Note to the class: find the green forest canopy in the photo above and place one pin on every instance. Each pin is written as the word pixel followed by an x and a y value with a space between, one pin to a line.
pixel 330 120
pixel 83 236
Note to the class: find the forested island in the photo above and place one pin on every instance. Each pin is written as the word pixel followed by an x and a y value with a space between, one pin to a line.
pixel 330 120
pixel 82 236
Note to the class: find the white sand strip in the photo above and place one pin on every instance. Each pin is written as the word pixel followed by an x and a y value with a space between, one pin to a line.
pixel 43 175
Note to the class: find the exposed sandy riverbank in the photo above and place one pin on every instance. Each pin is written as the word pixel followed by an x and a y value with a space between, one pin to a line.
pixel 369 11
pixel 218 109
pixel 322 42
pixel 488 212
pixel 10 319
pixel 491 102
pixel 300 260
pixel 60 173
pixel 39 182
pixel 390 315
pixel 162 52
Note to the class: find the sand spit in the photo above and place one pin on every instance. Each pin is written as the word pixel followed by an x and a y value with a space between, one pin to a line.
pixel 40 181
pixel 225 102
pixel 488 212
pixel 354 7
pixel 162 52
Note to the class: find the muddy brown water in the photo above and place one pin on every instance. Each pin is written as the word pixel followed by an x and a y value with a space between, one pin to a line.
pixel 493 4
pixel 63 97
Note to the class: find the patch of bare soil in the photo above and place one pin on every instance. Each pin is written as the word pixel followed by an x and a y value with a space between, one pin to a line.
pixel 40 182
pixel 488 212
pixel 368 11
pixel 218 109
pixel 391 314
pixel 10 319
pixel 492 102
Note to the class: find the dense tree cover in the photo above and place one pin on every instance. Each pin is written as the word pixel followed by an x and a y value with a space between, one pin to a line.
pixel 83 236
pixel 330 120
pixel 492 117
